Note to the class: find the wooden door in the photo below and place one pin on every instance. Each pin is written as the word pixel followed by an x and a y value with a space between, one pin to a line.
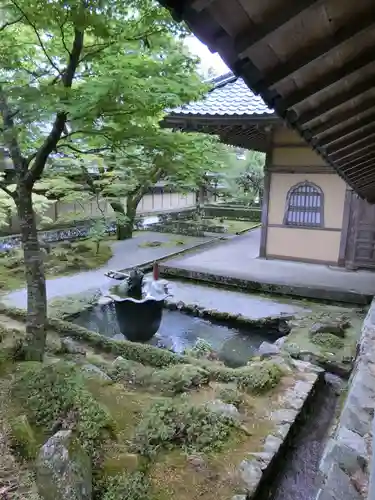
pixel 360 247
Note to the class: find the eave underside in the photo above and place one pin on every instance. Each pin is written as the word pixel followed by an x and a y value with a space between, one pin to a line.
pixel 313 61
pixel 248 133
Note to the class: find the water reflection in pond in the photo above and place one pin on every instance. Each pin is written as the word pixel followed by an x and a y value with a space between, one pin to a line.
pixel 179 331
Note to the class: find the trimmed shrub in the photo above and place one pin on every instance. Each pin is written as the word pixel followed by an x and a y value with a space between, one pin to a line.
pixel 327 341
pixel 231 396
pixel 52 393
pixel 133 486
pixel 260 377
pixel 194 428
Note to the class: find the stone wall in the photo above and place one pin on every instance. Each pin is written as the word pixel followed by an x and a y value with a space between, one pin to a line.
pixel 346 463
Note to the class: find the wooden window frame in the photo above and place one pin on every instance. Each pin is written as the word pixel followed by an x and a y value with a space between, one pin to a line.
pixel 304 225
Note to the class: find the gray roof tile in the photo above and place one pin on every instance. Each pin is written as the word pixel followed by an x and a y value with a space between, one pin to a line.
pixel 230 97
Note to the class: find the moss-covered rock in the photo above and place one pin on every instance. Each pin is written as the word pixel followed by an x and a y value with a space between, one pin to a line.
pixel 55 395
pixel 22 437
pixel 260 377
pixel 327 341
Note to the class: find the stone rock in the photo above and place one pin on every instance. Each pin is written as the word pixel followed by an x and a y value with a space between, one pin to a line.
pixel 267 350
pixel 282 431
pixel 284 416
pixel 281 341
pixel 62 470
pixel 69 346
pixel 239 497
pixel 226 409
pixel 347 459
pixel 272 444
pixel 337 383
pixel 264 458
pixel 335 327
pixel 324 495
pixel 250 473
pixel 356 419
pixel 197 462
pixel 94 371
pixel 353 441
pixel 340 486
pixel 118 360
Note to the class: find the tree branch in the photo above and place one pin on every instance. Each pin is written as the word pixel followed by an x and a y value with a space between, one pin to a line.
pixel 10 23
pixel 51 141
pixel 80 151
pixel 12 194
pixel 10 134
pixel 41 44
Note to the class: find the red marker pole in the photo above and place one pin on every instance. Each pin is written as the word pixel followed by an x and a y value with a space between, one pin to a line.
pixel 155 271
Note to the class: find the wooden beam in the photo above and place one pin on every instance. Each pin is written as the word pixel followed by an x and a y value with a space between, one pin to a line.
pixel 357 173
pixel 356 149
pixel 328 79
pixel 349 142
pixel 336 101
pixel 367 181
pixel 305 56
pixel 358 166
pixel 200 5
pixel 360 157
pixel 256 32
pixel 351 129
pixel 342 117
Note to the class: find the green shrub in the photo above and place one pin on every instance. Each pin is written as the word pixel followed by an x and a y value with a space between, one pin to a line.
pixel 170 423
pixel 231 396
pixel 201 349
pixel 125 370
pixel 180 378
pixel 48 393
pixel 22 437
pixel 133 486
pixel 328 341
pixel 260 377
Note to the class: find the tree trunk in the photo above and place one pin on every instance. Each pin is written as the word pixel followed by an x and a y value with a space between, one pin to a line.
pixel 124 229
pixel 35 278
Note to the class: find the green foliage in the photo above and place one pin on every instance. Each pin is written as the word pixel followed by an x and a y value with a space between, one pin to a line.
pixel 132 372
pixel 259 378
pixel 327 341
pixel 231 396
pixel 62 259
pixel 22 436
pixel 133 486
pixel 51 393
pixel 170 424
pixel 181 378
pixel 202 349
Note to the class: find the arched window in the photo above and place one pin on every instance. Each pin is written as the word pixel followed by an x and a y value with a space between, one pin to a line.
pixel 304 206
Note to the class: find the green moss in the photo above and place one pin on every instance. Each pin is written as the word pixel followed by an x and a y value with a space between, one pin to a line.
pixel 133 486
pixel 259 378
pixel 61 260
pixel 232 396
pixel 179 423
pixel 22 436
pixel 131 372
pixel 51 393
pixel 178 379
pixel 328 341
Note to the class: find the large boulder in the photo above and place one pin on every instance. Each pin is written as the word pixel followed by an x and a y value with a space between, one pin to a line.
pixel 336 327
pixel 63 469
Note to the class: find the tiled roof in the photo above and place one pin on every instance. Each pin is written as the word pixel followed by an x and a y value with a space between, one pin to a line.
pixel 229 97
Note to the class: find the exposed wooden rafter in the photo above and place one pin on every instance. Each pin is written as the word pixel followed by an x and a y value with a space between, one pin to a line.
pixel 344 116
pixel 360 157
pixel 307 55
pixel 332 77
pixel 255 33
pixel 337 100
pixel 352 129
pixel 353 151
pixel 359 165
pixel 359 172
pixel 346 143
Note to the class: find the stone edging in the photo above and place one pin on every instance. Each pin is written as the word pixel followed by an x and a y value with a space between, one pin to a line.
pixel 257 470
pixel 247 285
pixel 345 464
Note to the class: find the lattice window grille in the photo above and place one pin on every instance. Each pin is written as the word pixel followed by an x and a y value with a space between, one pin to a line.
pixel 304 206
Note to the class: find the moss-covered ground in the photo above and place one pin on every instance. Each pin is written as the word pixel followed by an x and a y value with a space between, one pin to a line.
pixel 62 259
pixel 234 226
pixel 149 430
pixel 325 347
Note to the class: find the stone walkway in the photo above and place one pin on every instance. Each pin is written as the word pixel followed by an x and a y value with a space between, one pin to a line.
pixel 126 254
pixel 236 259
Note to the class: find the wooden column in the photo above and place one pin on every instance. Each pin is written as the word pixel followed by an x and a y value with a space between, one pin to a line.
pixel 266 196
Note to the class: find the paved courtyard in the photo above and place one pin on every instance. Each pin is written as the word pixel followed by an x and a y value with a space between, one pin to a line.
pixel 237 259
pixel 126 254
